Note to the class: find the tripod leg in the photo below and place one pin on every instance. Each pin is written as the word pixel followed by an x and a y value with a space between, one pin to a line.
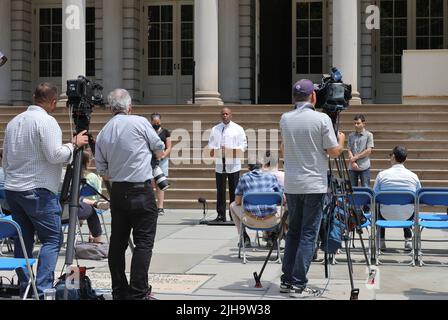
pixel 354 291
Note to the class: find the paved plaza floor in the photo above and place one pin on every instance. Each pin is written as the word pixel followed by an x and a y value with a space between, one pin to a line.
pixel 200 262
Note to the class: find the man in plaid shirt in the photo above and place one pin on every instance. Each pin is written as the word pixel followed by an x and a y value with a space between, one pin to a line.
pixel 258 216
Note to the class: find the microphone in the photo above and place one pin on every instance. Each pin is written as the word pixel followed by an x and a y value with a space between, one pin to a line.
pixel 202 200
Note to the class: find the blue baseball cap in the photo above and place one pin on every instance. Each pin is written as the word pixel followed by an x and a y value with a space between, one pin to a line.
pixel 303 88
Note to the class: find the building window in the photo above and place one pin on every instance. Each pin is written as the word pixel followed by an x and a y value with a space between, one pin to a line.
pixel 309 37
pixel 393 34
pixel 90 42
pixel 160 40
pixel 429 24
pixel 50 42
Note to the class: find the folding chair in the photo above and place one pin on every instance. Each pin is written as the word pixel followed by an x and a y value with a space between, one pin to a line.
pixel 394 198
pixel 365 197
pixel 433 221
pixel 8 229
pixel 258 199
pixel 4 241
pixel 88 191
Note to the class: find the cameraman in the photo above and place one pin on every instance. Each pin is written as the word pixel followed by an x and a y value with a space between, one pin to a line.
pixel 308 139
pixel 33 156
pixel 123 155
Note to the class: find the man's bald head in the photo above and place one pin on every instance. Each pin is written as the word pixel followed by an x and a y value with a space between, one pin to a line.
pixel 45 93
pixel 226 115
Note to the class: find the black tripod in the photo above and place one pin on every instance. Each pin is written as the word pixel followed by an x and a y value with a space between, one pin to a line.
pixel 352 217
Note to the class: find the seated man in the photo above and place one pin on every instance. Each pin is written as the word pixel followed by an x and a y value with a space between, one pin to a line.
pixel 397 178
pixel 262 216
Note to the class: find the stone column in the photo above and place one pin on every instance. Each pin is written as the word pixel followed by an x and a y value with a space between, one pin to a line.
pixel 229 50
pixel 5 47
pixel 206 51
pixel 346 43
pixel 112 44
pixel 73 40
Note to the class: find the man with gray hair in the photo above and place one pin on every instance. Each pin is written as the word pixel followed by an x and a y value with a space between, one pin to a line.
pixel 123 156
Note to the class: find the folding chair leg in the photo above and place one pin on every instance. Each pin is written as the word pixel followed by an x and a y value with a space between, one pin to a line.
pixel 243 245
pixel 105 228
pixel 279 258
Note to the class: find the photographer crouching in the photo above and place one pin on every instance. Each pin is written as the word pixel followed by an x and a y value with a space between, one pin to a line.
pixel 308 139
pixel 123 156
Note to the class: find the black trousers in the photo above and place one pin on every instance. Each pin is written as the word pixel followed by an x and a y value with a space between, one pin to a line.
pixel 133 207
pixel 221 184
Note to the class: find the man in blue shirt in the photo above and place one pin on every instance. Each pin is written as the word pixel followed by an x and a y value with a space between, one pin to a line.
pixel 265 216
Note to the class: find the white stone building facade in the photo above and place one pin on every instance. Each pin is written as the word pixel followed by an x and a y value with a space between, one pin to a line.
pixel 242 51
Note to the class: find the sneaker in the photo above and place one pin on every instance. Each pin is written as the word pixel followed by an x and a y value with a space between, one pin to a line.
pixel 161 212
pixel 103 205
pixel 285 287
pixel 408 244
pixel 299 292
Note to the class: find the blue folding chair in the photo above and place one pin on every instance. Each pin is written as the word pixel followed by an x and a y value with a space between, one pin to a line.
pixel 363 197
pixel 4 241
pixel 9 229
pixel 259 199
pixel 88 191
pixel 394 198
pixel 434 197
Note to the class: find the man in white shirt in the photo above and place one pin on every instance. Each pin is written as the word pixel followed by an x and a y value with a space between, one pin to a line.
pixel 33 156
pixel 397 178
pixel 227 143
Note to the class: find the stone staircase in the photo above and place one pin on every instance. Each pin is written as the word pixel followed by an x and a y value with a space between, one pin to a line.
pixel 423 129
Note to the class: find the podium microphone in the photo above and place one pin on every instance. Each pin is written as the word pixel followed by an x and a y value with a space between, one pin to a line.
pixel 203 201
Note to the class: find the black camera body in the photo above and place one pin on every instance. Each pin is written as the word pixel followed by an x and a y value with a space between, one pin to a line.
pixel 332 94
pixel 83 94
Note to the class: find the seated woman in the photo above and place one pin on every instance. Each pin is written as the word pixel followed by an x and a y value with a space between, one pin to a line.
pixel 88 204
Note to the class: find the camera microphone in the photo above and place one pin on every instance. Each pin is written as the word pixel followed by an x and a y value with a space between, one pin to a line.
pixel 202 200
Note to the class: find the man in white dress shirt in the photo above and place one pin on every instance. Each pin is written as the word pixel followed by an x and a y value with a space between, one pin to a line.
pixel 33 156
pixel 397 178
pixel 228 143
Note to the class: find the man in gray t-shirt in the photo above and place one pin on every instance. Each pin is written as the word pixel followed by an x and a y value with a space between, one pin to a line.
pixel 360 145
pixel 308 139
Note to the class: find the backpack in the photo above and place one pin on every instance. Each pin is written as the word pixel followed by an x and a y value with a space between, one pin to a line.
pixel 332 228
pixel 85 291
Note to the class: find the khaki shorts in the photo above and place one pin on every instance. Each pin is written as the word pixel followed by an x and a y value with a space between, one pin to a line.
pixel 251 222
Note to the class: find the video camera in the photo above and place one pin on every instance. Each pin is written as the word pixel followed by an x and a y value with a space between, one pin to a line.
pixel 83 94
pixel 333 96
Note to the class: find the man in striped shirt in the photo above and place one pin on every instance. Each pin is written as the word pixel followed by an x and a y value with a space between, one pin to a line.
pixel 33 156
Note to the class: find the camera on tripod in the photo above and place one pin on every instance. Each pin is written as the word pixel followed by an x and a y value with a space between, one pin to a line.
pixel 333 96
pixel 159 177
pixel 83 94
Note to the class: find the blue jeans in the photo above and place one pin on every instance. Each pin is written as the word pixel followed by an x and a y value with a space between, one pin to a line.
pixel 37 211
pixel 364 176
pixel 305 215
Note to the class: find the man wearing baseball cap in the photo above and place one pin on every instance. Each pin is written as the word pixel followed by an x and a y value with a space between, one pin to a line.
pixel 308 140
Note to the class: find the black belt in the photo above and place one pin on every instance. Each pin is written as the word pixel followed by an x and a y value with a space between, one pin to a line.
pixel 134 184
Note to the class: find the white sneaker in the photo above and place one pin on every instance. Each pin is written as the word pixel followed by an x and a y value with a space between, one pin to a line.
pixel 408 244
pixel 307 292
